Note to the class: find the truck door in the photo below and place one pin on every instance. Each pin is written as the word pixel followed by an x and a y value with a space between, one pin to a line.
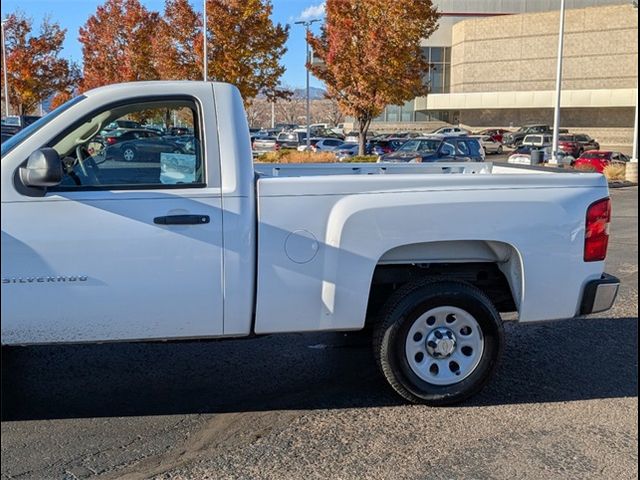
pixel 120 250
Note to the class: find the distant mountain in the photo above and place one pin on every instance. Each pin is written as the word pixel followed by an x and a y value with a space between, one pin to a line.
pixel 315 93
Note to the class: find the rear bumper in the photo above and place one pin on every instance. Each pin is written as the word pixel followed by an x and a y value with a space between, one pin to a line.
pixel 599 295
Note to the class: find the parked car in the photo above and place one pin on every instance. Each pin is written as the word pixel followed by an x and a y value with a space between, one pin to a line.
pixel 438 148
pixel 321 144
pixel 384 146
pixel 352 137
pixel 346 150
pixel 514 139
pixel 522 154
pixel 599 160
pixel 489 144
pixel 495 133
pixel 537 140
pixel 122 134
pixel 291 139
pixel 587 142
pixel 451 131
pixel 14 123
pixel 154 128
pixel 285 127
pixel 178 131
pixel 569 145
pixel 128 124
pixel 262 145
pixel 140 145
pixel 338 129
pixel 429 259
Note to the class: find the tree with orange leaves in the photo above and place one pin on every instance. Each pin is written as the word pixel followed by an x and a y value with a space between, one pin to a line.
pixel 369 54
pixel 178 42
pixel 35 70
pixel 245 46
pixel 117 44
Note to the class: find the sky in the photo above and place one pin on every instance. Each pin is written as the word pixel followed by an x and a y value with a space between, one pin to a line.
pixel 72 14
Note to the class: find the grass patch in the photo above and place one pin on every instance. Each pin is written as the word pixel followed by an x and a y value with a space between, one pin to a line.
pixel 361 159
pixel 294 156
pixel 615 173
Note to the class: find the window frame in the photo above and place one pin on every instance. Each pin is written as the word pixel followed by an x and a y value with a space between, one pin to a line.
pixel 198 128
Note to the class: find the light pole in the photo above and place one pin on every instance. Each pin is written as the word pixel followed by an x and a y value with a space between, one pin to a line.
pixel 307 24
pixel 4 64
pixel 556 113
pixel 205 66
pixel 632 168
pixel 273 113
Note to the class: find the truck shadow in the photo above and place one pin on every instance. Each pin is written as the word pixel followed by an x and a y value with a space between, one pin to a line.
pixel 565 361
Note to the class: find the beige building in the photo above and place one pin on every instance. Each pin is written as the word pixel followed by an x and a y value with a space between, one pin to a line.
pixel 496 67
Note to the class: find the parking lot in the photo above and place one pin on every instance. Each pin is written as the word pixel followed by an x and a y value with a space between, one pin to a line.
pixel 563 405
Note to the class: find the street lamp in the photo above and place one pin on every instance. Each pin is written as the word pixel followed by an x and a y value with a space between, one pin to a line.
pixel 4 64
pixel 632 167
pixel 307 24
pixel 205 67
pixel 556 113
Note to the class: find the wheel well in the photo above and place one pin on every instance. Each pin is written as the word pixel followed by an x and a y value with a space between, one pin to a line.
pixel 487 276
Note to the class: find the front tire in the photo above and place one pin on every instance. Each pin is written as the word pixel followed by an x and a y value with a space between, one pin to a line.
pixel 438 343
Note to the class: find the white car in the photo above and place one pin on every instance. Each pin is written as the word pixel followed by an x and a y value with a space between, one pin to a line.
pixel 208 245
pixel 489 144
pixel 537 140
pixel 321 145
pixel 451 131
pixel 352 137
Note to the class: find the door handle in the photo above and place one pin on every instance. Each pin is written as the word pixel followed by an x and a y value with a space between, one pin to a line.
pixel 182 220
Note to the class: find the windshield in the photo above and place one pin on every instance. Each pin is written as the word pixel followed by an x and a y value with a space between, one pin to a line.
pixel 420 146
pixel 603 155
pixel 19 137
pixel 567 138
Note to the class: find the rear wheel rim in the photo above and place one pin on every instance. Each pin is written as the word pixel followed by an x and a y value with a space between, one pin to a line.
pixel 444 345
pixel 128 154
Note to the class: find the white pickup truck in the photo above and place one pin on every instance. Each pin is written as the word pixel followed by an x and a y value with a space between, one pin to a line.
pixel 123 235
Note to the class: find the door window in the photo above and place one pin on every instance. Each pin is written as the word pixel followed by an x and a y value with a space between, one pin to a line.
pixel 102 152
pixel 474 147
pixel 462 148
pixel 448 150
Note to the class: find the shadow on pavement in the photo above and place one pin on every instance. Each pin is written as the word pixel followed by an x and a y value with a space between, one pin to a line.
pixel 557 362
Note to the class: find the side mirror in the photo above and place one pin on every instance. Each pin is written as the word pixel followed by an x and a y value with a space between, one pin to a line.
pixel 43 169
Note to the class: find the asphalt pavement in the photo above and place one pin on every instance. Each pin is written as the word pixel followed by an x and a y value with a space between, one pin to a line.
pixel 563 404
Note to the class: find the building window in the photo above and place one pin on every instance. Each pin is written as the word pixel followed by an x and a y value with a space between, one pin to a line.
pixel 439 80
pixel 439 76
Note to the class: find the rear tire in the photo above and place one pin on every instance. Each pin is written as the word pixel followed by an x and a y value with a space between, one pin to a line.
pixel 438 342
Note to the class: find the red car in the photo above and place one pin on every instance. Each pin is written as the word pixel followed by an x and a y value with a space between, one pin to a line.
pixel 599 159
pixel 570 145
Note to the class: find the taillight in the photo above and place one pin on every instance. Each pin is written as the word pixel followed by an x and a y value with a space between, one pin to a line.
pixel 597 231
pixel 111 140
